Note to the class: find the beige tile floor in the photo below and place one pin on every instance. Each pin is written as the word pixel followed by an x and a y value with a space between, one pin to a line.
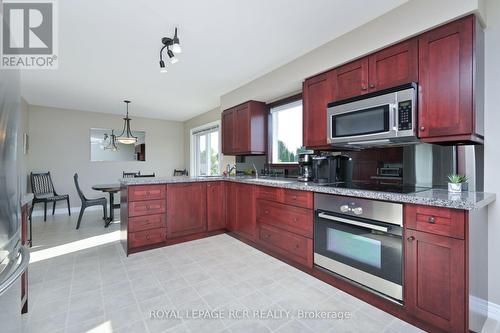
pixel 81 281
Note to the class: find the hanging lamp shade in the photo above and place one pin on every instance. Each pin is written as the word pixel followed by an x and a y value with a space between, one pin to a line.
pixel 126 136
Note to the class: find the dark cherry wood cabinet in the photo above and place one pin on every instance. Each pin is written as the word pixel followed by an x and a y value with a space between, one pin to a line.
pixel 244 129
pixel 228 129
pixel 450 72
pixel 435 281
pixel 186 209
pixel 393 66
pixel 216 217
pixel 317 92
pixel 245 211
pixel 230 202
pixel 351 79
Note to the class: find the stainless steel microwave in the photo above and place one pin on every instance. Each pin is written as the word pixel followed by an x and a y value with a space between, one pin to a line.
pixel 381 118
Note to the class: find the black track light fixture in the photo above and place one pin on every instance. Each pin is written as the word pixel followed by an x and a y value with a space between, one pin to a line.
pixel 176 48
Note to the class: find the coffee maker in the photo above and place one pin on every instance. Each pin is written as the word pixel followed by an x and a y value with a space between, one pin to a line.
pixel 305 167
pixel 329 169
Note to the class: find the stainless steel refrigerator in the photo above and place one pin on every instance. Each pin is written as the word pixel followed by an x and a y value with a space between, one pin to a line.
pixel 14 258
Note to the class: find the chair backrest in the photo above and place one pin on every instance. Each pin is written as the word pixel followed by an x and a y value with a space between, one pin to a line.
pixel 80 193
pixel 130 174
pixel 145 176
pixel 41 184
pixel 180 172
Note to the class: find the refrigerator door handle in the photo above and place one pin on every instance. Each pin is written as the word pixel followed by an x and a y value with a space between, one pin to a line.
pixel 25 260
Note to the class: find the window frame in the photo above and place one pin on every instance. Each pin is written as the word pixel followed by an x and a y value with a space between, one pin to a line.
pixel 192 152
pixel 283 101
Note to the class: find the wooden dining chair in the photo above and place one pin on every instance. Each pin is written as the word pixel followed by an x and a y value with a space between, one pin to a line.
pixel 89 202
pixel 180 172
pixel 43 191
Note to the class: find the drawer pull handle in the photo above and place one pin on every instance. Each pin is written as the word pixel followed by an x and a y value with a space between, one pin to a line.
pixel 147 237
pixel 148 207
pixel 372 85
pixel 295 220
pixel 266 212
pixel 411 239
pixel 297 246
pixel 431 219
pixel 267 236
pixel 294 197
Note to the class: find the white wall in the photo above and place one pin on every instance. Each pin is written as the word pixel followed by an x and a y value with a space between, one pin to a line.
pixel 60 143
pixel 404 21
pixel 492 138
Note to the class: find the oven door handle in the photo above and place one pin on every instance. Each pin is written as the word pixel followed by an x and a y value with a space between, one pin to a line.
pixel 352 222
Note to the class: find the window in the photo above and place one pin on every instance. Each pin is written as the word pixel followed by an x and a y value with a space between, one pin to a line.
pixel 286 120
pixel 205 150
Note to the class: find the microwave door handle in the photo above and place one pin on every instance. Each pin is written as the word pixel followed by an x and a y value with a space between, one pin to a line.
pixel 352 222
pixel 394 111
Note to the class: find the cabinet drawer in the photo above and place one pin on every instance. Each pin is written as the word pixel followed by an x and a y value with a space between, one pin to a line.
pixel 439 221
pixel 293 219
pixel 269 193
pixel 147 237
pixel 298 198
pixel 139 208
pixel 146 222
pixel 147 192
pixel 291 246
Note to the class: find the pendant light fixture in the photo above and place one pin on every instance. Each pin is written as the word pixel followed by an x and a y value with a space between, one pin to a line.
pixel 126 136
pixel 176 48
pixel 112 141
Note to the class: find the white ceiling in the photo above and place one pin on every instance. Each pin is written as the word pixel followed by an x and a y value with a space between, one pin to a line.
pixel 109 50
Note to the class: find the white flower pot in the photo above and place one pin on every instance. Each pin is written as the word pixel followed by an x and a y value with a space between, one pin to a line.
pixel 455 187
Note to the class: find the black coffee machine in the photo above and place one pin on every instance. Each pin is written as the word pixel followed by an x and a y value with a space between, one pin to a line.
pixel 329 169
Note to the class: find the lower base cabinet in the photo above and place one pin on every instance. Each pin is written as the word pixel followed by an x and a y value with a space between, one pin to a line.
pixel 216 217
pixel 435 280
pixel 287 244
pixel 186 209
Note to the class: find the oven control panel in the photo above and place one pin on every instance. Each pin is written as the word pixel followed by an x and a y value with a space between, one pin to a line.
pixel 404 115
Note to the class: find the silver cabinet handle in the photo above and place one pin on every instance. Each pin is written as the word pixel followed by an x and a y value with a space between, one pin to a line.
pixel 352 222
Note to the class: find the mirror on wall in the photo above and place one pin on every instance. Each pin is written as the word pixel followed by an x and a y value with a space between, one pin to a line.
pixel 104 146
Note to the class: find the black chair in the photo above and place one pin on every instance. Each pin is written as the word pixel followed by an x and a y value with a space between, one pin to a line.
pixel 145 176
pixel 180 172
pixel 130 174
pixel 89 202
pixel 43 191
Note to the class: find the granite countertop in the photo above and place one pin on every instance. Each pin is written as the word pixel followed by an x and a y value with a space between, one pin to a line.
pixel 431 197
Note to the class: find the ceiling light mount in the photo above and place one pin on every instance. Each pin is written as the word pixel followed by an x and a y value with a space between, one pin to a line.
pixel 173 46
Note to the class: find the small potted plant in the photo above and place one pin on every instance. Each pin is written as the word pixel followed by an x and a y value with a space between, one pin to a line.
pixel 455 182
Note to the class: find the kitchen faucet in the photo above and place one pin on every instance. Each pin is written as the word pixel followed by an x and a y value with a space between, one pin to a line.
pixel 230 168
pixel 256 171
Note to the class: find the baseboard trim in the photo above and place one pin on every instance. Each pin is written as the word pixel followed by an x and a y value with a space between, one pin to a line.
pixel 494 311
pixel 37 212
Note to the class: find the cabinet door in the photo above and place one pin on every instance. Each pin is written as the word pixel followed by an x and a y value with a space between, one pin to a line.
pixel 445 80
pixel 350 80
pixel 186 209
pixel 228 127
pixel 435 286
pixel 242 129
pixel 215 206
pixel 394 66
pixel 245 211
pixel 230 196
pixel 317 92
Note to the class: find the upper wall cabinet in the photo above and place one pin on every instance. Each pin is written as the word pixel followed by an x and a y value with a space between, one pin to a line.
pixel 393 66
pixel 244 129
pixel 317 92
pixel 450 83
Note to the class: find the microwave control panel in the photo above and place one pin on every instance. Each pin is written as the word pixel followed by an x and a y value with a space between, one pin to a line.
pixel 404 115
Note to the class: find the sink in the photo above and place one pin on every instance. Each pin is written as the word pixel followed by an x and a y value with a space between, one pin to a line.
pixel 268 180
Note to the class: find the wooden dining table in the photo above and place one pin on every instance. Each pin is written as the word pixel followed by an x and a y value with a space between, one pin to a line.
pixel 111 189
